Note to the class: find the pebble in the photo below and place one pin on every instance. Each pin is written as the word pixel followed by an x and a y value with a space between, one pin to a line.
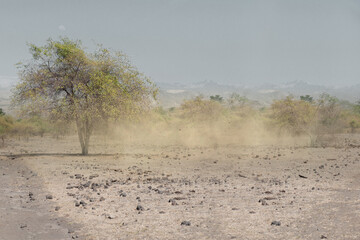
pixel 139 208
pixel 185 223
pixel 275 223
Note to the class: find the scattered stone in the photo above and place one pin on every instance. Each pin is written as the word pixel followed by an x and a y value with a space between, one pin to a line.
pixel 78 176
pixel 87 184
pixel 108 216
pixel 323 237
pixel 93 176
pixel 185 223
pixel 57 208
pixel 49 196
pixel 122 193
pixel 23 226
pixel 31 196
pixel 275 223
pixel 139 208
pixel 173 202
pixel 302 176
pixel 263 202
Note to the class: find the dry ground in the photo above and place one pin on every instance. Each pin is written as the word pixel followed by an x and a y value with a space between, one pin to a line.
pixel 177 192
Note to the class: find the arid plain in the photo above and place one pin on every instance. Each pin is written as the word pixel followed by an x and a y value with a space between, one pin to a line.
pixel 149 191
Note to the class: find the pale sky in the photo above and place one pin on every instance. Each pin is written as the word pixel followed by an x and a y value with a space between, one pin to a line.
pixel 234 42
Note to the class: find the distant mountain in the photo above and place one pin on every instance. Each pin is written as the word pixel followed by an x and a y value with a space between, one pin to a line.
pixel 172 94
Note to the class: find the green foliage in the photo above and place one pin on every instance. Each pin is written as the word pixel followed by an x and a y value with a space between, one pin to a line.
pixel 217 98
pixel 307 98
pixel 236 99
pixel 64 82
pixel 1 112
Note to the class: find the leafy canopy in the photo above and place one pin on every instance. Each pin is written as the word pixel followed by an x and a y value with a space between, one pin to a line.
pixel 65 82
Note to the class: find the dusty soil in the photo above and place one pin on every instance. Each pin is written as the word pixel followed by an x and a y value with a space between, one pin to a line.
pixel 177 192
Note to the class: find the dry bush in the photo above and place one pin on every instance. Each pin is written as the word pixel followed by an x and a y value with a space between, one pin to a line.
pixel 6 124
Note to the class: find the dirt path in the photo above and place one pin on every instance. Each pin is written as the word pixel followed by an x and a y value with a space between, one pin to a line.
pixel 25 213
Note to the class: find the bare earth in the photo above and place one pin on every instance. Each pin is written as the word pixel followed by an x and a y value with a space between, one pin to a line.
pixel 177 192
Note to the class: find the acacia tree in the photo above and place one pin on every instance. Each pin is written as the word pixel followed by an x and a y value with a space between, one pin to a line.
pixel 63 82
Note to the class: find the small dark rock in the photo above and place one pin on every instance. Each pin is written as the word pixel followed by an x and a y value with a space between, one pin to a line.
pixel 275 223
pixel 78 176
pixel 139 208
pixel 263 202
pixel 185 223
pixel 49 196
pixel 23 226
pixel 93 176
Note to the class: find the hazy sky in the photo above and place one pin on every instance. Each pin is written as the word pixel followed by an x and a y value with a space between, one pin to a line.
pixel 243 42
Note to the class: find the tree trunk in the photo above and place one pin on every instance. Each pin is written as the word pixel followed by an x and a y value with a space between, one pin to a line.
pixel 84 128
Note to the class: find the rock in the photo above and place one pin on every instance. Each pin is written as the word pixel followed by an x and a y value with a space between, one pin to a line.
pixel 173 202
pixel 139 208
pixel 87 184
pixel 78 176
pixel 109 216
pixel 93 176
pixel 23 226
pixel 323 237
pixel 83 203
pixel 263 202
pixel 57 208
pixel 31 196
pixel 185 223
pixel 275 223
pixel 49 196
pixel 122 194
